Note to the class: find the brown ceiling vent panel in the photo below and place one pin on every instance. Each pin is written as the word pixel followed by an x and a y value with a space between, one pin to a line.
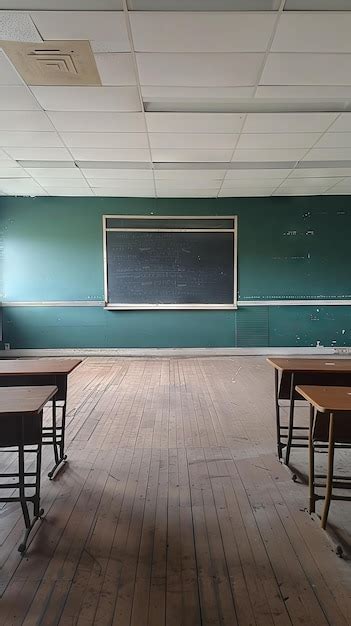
pixel 53 62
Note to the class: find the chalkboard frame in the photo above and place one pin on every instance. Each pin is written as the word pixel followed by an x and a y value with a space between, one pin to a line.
pixel 127 306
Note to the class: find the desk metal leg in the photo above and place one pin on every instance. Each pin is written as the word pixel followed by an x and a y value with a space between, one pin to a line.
pixel 291 419
pixel 38 512
pixel 277 414
pixel 329 486
pixel 58 438
pixel 312 499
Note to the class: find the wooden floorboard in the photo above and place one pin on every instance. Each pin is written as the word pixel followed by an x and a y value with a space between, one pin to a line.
pixel 173 509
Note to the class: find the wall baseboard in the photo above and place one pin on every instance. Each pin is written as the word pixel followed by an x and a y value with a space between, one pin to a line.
pixel 172 352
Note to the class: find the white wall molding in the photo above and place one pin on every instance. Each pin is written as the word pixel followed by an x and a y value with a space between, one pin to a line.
pixel 173 352
pixel 240 303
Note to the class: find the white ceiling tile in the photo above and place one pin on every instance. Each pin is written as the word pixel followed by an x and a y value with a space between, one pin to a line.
pixel 272 183
pixel 307 69
pixel 6 162
pixel 288 122
pixel 199 70
pixel 289 154
pixel 159 93
pixel 102 121
pixel 87 98
pixel 334 192
pixel 23 139
pixel 110 154
pixel 24 120
pixel 277 140
pixel 251 191
pixel 48 154
pixel 39 173
pixel 100 27
pixel 335 140
pixel 4 156
pixel 117 174
pixel 193 140
pixel 344 184
pixel 307 183
pixel 298 92
pixel 116 69
pixel 201 32
pixel 125 185
pixel 296 192
pixel 190 156
pixel 69 191
pixel 211 192
pixel 208 5
pixel 13 172
pixel 64 183
pixel 123 193
pixel 17 98
pixel 328 154
pixel 321 172
pixel 313 32
pixel 69 5
pixel 8 74
pixel 15 26
pixel 315 5
pixel 20 187
pixel 252 175
pixel 189 175
pixel 342 124
pixel 172 185
pixel 104 140
pixel 194 122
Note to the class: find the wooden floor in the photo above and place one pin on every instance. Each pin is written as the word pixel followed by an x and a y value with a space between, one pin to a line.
pixel 173 509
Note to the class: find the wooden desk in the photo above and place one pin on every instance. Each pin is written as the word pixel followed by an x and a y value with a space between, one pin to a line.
pixel 21 417
pixel 290 372
pixel 332 405
pixel 33 372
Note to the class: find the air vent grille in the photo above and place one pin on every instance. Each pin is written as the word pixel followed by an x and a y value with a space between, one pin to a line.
pixel 54 63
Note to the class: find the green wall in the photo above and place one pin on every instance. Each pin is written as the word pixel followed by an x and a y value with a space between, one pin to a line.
pixel 288 247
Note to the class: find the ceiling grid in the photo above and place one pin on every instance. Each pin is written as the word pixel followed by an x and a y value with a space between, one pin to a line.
pixel 239 98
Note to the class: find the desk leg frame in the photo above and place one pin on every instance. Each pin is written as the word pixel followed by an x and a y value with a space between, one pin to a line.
pixel 277 415
pixel 311 473
pixel 291 420
pixel 59 446
pixel 330 472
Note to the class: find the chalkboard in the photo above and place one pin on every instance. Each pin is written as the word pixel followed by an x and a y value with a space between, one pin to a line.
pixel 170 268
pixel 296 255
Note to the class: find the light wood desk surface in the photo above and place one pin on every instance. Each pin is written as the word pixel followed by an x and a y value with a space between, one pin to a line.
pixel 25 399
pixel 22 367
pixel 296 364
pixel 327 399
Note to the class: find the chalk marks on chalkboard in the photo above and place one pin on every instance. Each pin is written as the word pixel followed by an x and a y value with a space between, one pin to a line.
pixel 167 265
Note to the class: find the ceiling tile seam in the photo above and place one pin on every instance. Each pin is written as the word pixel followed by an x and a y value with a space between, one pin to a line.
pixel 264 60
pixel 319 138
pixel 233 152
pixel 269 46
pixel 29 15
pixel 322 135
pixel 135 64
pixel 338 180
pixel 65 145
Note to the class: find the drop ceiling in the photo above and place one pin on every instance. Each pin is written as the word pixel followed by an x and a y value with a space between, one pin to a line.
pixel 240 98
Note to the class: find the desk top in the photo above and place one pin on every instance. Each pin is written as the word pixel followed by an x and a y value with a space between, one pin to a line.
pixel 25 399
pixel 296 364
pixel 21 367
pixel 327 399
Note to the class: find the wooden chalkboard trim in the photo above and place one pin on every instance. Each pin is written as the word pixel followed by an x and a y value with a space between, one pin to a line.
pixel 124 307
